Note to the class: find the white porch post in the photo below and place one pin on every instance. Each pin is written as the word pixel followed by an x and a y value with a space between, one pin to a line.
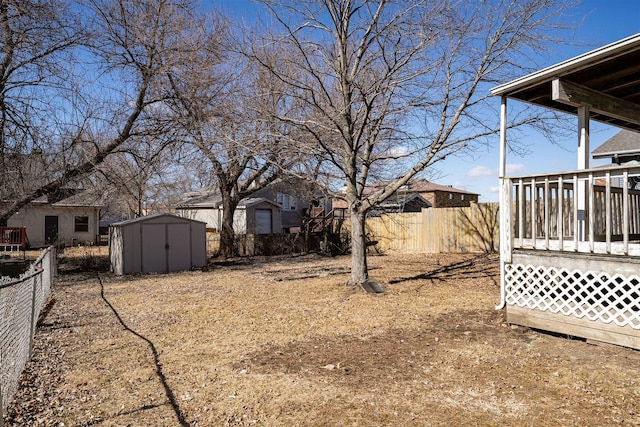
pixel 581 194
pixel 503 138
pixel 505 203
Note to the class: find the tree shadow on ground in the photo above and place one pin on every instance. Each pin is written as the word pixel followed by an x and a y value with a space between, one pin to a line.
pixel 481 266
pixel 250 262
pixel 156 359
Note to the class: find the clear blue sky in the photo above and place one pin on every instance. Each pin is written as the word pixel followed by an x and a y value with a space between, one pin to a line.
pixel 603 22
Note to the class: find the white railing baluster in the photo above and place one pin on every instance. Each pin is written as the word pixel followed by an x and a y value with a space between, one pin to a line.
pixel 597 205
pixel 560 218
pixel 575 213
pixel 607 204
pixel 625 211
pixel 547 228
pixel 521 217
pixel 534 229
pixel 591 212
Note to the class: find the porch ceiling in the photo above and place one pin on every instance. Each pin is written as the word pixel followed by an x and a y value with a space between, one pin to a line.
pixel 607 78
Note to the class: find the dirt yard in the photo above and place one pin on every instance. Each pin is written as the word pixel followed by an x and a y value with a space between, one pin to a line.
pixel 282 342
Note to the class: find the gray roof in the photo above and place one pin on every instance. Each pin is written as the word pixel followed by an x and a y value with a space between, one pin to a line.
pixel 247 202
pixel 402 199
pixel 419 185
pixel 81 199
pixel 624 143
pixel 214 201
pixel 154 216
pixel 211 200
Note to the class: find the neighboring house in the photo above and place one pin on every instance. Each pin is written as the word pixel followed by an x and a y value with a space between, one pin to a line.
pixel 402 202
pixel 441 196
pixel 415 195
pixel 253 215
pixel 570 241
pixel 623 147
pixel 66 219
pixel 294 196
pixel 278 207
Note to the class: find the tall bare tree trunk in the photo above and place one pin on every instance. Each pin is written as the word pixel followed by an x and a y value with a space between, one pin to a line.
pixel 359 271
pixel 228 243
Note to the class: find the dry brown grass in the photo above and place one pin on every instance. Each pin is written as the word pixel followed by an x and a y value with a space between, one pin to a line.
pixel 282 342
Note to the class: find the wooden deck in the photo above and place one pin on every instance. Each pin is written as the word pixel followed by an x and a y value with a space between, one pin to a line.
pixel 13 238
pixel 570 241
pixel 586 295
pixel 571 253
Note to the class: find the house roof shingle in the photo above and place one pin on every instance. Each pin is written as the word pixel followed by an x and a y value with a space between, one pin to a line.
pixel 625 143
pixel 420 186
pixel 424 186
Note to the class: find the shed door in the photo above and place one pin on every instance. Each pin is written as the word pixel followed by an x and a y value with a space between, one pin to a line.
pixel 179 246
pixel 263 221
pixel 154 251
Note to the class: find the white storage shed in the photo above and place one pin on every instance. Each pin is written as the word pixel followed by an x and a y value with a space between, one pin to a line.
pixel 157 244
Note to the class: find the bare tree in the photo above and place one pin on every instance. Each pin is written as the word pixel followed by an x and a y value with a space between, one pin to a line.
pixel 226 106
pixel 137 181
pixel 399 85
pixel 37 40
pixel 118 91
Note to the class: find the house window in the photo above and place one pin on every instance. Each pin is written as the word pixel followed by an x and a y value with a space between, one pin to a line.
pixel 287 201
pixel 81 224
pixel 450 196
pixel 462 197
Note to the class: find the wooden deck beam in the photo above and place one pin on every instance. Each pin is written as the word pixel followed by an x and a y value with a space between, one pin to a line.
pixel 576 95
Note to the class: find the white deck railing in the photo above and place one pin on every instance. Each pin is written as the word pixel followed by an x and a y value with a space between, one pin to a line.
pixel 591 211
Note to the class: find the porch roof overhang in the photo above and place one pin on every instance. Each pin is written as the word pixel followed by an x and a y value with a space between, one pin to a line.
pixel 606 79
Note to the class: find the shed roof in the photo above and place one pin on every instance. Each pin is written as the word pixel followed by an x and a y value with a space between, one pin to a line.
pixel 609 75
pixel 624 143
pixel 154 217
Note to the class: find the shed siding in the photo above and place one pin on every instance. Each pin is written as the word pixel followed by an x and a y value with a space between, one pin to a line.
pixel 132 249
pixel 157 244
pixel 198 246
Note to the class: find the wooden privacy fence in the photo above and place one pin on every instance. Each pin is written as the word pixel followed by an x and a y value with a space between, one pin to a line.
pixel 472 229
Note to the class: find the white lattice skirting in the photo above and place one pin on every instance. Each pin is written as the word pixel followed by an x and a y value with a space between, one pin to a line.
pixel 592 295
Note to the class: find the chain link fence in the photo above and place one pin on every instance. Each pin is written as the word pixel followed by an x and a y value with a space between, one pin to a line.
pixel 21 301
